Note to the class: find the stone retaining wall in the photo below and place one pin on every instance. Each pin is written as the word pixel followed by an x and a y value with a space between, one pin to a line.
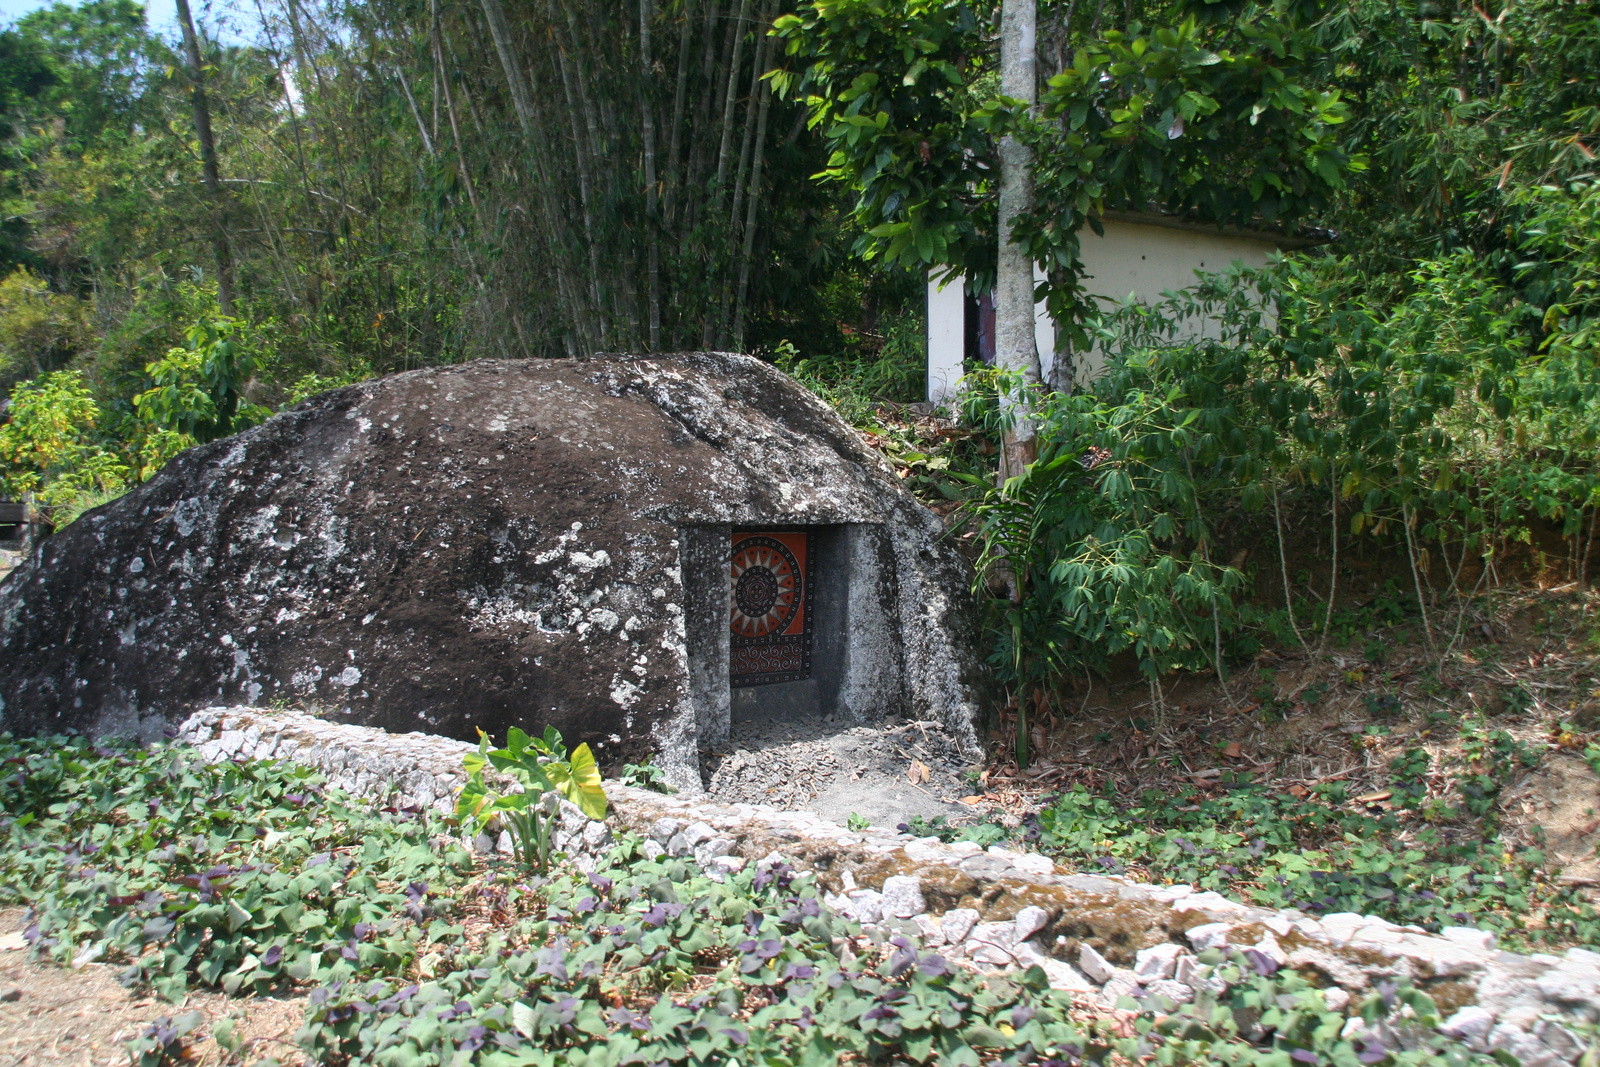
pixel 1098 936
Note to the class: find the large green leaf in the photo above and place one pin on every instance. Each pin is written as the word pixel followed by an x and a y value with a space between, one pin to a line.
pixel 579 781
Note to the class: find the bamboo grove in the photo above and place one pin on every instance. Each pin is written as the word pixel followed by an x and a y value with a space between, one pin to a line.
pixel 385 185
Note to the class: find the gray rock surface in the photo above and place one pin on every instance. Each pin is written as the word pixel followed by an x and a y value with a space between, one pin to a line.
pixel 485 545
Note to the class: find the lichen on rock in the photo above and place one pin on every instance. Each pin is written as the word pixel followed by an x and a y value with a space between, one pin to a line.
pixel 492 544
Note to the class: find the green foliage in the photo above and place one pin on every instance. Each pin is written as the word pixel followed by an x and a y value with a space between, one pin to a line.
pixel 242 877
pixel 647 775
pixel 640 960
pixel 61 446
pixel 164 1042
pixel 543 772
pixel 1432 421
pixel 1432 863
pixel 857 382
pixel 49 444
pixel 983 833
pixel 40 330
pixel 198 389
pixel 1219 116
pixel 1398 1022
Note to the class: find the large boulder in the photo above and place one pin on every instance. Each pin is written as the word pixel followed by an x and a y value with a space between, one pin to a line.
pixel 493 544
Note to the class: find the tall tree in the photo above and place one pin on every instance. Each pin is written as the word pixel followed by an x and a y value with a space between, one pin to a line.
pixel 1015 348
pixel 220 247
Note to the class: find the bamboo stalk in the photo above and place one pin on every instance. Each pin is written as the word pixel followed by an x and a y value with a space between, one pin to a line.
pixel 585 165
pixel 651 189
pixel 701 130
pixel 679 91
pixel 752 202
pixel 735 227
pixel 442 80
pixel 730 100
pixel 711 329
pixel 500 33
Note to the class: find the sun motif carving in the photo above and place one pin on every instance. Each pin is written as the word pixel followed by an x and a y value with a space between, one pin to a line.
pixel 766 587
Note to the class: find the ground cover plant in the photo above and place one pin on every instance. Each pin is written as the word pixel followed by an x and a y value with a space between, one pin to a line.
pixel 1400 855
pixel 254 877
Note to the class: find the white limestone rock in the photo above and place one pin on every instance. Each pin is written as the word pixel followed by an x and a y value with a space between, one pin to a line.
pixel 1029 921
pixel 1032 864
pixel 1469 937
pixel 1346 973
pixel 1470 1025
pixel 902 896
pixel 1572 984
pixel 1268 946
pixel 1528 1050
pixel 1211 935
pixel 1175 991
pixel 1061 975
pixel 991 943
pixel 1094 965
pixel 866 905
pixel 708 850
pixel 957 924
pixel 1122 983
pixel 931 929
pixel 1158 961
pixel 1558 1039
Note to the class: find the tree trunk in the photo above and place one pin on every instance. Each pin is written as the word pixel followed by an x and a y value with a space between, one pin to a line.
pixel 208 160
pixel 1015 350
pixel 580 155
pixel 752 202
pixel 652 193
pixel 735 211
pixel 679 91
pixel 500 31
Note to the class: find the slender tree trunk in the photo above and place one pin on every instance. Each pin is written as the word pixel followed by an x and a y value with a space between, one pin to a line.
pixel 700 139
pixel 585 183
pixel 735 228
pixel 208 160
pixel 731 98
pixel 752 202
pixel 651 190
pixel 500 31
pixel 1015 350
pixel 579 315
pixel 679 91
pixel 325 133
pixel 442 78
pixel 592 159
pixel 711 331
pixel 416 112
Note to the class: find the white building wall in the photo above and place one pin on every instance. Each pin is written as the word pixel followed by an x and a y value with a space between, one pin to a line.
pixel 947 338
pixel 1143 261
pixel 1137 259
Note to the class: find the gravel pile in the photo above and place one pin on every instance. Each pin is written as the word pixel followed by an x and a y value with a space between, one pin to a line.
pixel 884 772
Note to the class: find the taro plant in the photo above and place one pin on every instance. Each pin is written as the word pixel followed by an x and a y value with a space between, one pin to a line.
pixel 537 767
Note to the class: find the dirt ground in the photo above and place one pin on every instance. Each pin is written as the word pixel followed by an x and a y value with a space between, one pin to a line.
pixel 1525 661
pixel 884 772
pixel 83 1017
